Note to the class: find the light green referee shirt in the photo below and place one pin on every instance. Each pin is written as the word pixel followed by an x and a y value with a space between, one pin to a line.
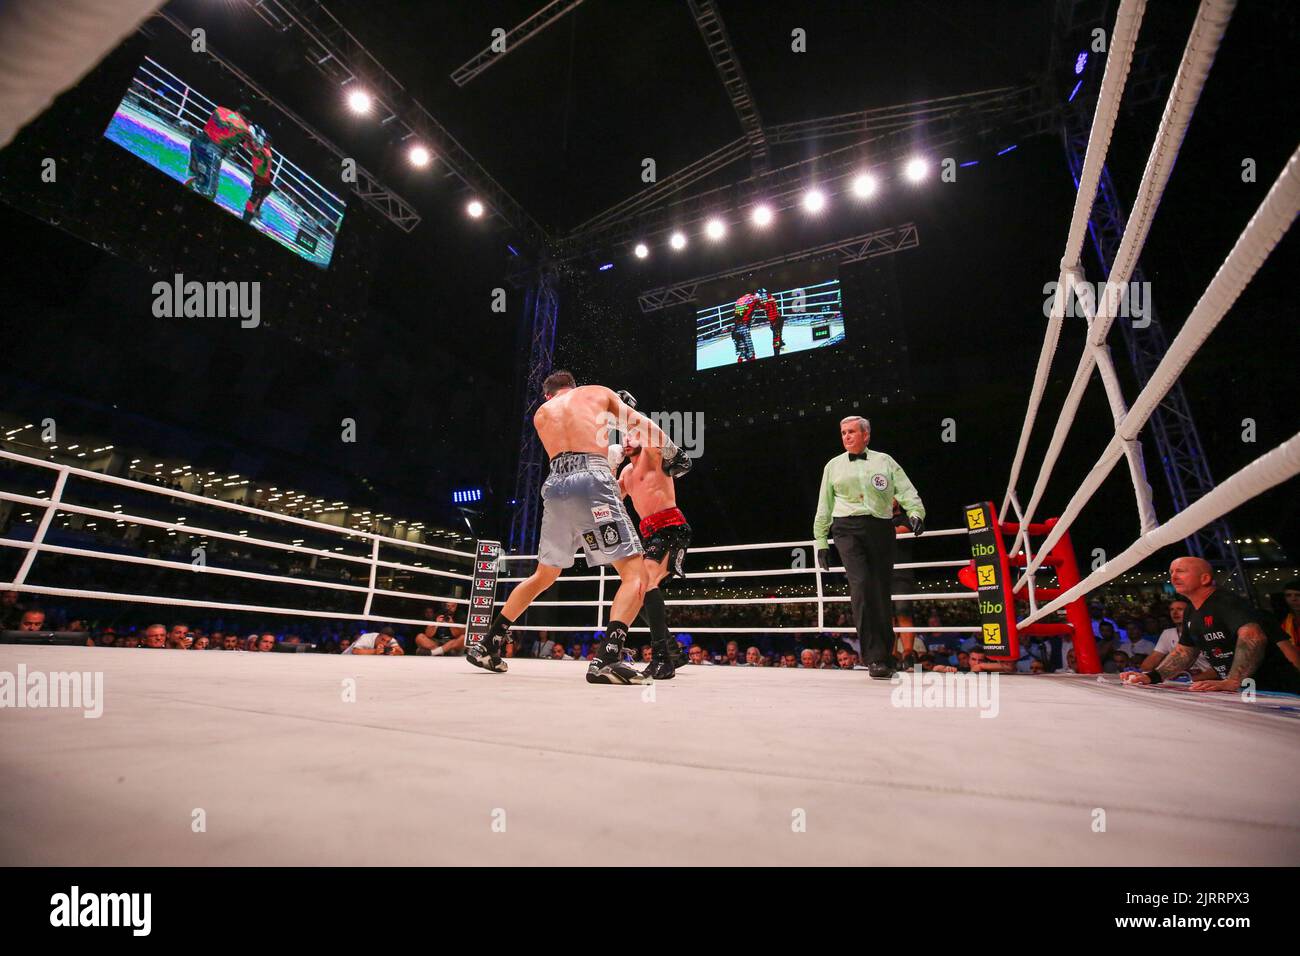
pixel 863 487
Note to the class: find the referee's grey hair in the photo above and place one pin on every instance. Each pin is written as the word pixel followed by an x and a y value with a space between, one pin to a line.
pixel 863 424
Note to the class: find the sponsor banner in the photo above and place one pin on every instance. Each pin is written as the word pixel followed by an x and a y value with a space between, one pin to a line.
pixel 993 581
pixel 483 595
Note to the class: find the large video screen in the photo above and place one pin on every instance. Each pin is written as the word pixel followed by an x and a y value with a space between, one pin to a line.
pixel 793 308
pixel 211 147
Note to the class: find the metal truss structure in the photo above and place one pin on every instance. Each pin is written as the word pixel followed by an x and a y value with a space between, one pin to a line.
pixel 733 79
pixel 541 310
pixel 513 40
pixel 877 139
pixel 882 242
pixel 341 58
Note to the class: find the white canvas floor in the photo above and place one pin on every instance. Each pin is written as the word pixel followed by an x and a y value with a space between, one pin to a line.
pixel 435 756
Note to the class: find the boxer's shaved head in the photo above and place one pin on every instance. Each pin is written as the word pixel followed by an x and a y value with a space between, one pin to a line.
pixel 557 380
pixel 1190 574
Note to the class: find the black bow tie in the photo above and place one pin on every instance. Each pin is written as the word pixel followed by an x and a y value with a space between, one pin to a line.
pixel 853 457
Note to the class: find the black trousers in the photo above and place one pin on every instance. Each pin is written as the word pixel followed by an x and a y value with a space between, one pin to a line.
pixel 866 546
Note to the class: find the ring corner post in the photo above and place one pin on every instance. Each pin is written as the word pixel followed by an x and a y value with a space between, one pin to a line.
pixel 1076 612
pixel 992 581
pixel 482 596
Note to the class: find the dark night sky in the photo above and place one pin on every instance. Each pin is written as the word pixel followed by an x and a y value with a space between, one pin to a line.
pixel 563 124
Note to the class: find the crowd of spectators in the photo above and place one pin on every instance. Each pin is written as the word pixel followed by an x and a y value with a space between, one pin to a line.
pixel 1127 633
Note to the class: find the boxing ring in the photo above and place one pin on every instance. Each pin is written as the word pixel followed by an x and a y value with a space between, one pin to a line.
pixel 720 765
pixel 326 759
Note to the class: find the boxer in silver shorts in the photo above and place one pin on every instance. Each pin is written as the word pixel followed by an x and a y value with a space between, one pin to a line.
pixel 582 507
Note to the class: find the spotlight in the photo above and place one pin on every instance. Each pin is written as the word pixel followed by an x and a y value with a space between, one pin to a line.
pixel 419 156
pixel 916 169
pixel 762 216
pixel 678 241
pixel 864 186
pixel 715 229
pixel 475 208
pixel 641 250
pixel 814 200
pixel 359 101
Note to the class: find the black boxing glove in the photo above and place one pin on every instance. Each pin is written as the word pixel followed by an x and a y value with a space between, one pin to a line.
pixel 675 461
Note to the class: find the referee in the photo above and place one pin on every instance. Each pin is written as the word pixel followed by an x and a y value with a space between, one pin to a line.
pixel 855 507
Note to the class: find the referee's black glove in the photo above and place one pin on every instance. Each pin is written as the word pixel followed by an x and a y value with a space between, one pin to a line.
pixel 824 558
pixel 917 523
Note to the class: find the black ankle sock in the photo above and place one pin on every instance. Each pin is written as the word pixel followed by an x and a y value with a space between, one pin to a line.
pixel 615 637
pixel 500 624
pixel 656 616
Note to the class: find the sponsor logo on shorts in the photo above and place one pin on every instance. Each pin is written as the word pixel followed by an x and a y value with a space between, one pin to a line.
pixel 601 513
pixel 677 564
pixel 589 538
pixel 610 536
pixel 879 482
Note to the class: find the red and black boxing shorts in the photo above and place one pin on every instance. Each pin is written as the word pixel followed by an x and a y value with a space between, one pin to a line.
pixel 666 533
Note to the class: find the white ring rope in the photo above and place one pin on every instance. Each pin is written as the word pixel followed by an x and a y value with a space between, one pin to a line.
pixel 55 504
pixel 1263 473
pixel 202 532
pixel 1207 33
pixel 1261 235
pixel 749 574
pixel 1122 42
pixel 833 599
pixel 221 605
pixel 231 506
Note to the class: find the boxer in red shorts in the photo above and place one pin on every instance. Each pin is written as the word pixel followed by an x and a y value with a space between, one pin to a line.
pixel 665 536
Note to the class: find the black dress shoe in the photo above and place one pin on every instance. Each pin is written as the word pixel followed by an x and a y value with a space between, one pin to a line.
pixel 880 670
